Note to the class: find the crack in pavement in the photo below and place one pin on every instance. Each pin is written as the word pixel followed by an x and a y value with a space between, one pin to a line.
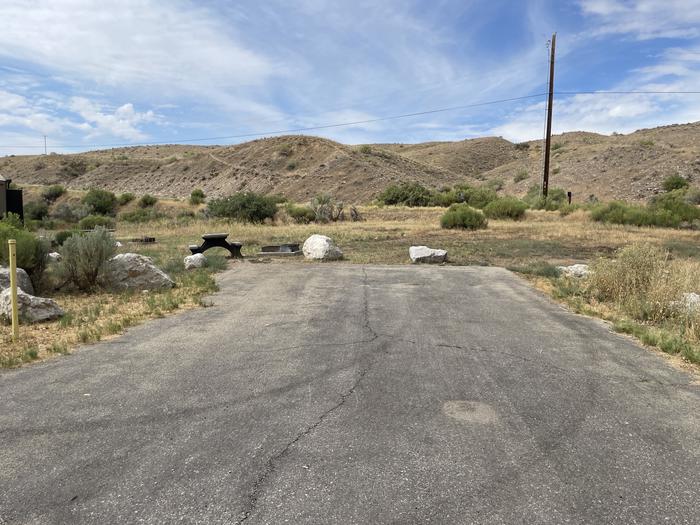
pixel 258 484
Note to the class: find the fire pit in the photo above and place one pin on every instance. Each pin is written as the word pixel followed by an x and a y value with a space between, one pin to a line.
pixel 281 249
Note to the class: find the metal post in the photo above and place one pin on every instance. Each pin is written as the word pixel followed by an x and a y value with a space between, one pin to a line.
pixel 550 101
pixel 12 245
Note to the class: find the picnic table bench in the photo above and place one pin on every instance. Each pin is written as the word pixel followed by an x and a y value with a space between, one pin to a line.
pixel 212 240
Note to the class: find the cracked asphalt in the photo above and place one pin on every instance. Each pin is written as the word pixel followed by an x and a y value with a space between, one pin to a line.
pixel 336 393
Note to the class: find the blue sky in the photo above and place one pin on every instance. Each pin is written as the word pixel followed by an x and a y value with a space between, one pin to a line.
pixel 130 71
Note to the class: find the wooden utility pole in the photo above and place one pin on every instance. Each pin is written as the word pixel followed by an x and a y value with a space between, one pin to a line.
pixel 44 144
pixel 548 140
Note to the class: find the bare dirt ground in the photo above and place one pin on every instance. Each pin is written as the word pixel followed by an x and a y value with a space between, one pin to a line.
pixel 630 167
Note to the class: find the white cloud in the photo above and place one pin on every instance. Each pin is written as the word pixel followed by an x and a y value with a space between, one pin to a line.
pixel 122 122
pixel 645 19
pixel 129 42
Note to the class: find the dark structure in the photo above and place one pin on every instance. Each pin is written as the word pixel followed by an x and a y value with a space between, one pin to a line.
pixel 10 199
pixel 281 249
pixel 212 240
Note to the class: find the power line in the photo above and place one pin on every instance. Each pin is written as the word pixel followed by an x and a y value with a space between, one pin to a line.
pixel 357 122
pixel 296 130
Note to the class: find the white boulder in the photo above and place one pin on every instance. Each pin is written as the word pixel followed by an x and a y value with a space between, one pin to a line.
pixel 575 270
pixel 423 254
pixel 321 248
pixel 198 260
pixel 54 257
pixel 689 303
pixel 31 309
pixel 23 280
pixel 133 271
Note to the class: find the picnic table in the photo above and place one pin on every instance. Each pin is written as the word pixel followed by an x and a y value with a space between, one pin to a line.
pixel 212 240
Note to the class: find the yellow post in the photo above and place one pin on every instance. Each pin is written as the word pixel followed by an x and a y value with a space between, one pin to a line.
pixel 13 287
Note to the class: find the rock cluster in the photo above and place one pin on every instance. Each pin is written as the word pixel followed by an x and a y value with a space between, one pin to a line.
pixel 132 271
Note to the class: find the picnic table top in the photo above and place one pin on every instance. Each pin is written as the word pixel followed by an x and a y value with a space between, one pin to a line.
pixel 214 235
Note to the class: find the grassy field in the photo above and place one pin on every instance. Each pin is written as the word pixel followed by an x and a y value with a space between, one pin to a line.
pixel 541 240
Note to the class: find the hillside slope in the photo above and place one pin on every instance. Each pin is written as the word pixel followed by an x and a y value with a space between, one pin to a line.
pixel 630 167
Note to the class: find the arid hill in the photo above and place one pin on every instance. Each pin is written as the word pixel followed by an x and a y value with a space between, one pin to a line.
pixel 628 167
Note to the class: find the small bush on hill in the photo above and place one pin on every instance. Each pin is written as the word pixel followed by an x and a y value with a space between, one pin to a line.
pixel 300 214
pixel 51 193
pixel 463 216
pixel 73 168
pixel 31 252
pixel 407 194
pixel 366 149
pixel 197 197
pixel 84 258
pixel 125 198
pixel 245 207
pixel 36 210
pixel 62 235
pixel 147 201
pixel 141 215
pixel 100 202
pixel 674 182
pixel 692 196
pixel 67 213
pixel 521 175
pixel 505 208
pixel 93 221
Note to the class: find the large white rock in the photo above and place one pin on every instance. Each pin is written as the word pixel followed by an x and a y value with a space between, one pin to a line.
pixel 321 248
pixel 23 280
pixel 198 260
pixel 54 257
pixel 136 272
pixel 31 309
pixel 423 254
pixel 575 270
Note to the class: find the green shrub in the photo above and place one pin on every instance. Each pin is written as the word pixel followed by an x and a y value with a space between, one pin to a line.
pixel 495 184
pixel 51 193
pixel 125 198
pixel 141 215
pixel 300 214
pixel 669 210
pixel 84 258
pixel 67 213
pixel 62 235
pixel 407 193
pixel 505 208
pixel 463 216
pixel 292 165
pixel 674 182
pixel 36 210
pixel 326 208
pixel 31 251
pixel 100 202
pixel 147 201
pixel 93 221
pixel 245 207
pixel 366 149
pixel 480 196
pixel 556 198
pixel 197 197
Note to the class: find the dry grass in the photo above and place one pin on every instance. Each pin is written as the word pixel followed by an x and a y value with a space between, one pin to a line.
pixel 383 238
